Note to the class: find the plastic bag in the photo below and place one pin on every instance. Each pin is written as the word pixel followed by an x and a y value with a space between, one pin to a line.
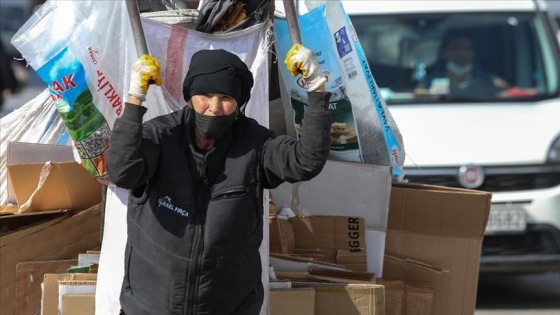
pixel 363 129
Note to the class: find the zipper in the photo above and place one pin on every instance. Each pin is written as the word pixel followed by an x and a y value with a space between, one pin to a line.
pixel 204 173
pixel 196 253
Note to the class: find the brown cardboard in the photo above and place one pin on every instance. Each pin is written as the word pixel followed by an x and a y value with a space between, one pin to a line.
pixel 51 286
pixel 419 299
pixel 394 295
pixel 292 301
pixel 355 299
pixel 422 282
pixel 28 153
pixel 351 275
pixel 281 236
pixel 441 227
pixel 355 261
pixel 298 264
pixel 13 222
pixel 68 186
pixel 329 232
pixel 60 238
pixel 78 304
pixel 29 276
pixel 340 239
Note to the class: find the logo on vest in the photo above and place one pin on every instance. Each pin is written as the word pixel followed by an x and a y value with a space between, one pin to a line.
pixel 165 202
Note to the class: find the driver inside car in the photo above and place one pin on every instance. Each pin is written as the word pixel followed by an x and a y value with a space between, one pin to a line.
pixel 458 66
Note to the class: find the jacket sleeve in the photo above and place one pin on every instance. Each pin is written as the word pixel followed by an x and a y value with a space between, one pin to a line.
pixel 285 158
pixel 133 149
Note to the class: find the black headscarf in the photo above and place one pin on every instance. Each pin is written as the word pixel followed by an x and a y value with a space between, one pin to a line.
pixel 218 71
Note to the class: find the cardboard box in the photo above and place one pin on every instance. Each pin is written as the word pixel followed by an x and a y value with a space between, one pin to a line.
pixel 343 236
pixel 355 299
pixel 31 153
pixel 281 236
pixel 57 239
pixel 292 301
pixel 442 227
pixel 67 186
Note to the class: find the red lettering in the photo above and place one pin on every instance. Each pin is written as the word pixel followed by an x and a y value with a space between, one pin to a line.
pixel 67 81
pixel 112 95
pixel 57 87
pixel 56 97
pixel 117 102
pixel 110 90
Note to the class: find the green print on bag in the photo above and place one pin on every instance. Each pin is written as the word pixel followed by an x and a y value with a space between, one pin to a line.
pixel 87 127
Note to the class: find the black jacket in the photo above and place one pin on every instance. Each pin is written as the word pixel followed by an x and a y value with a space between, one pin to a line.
pixel 193 237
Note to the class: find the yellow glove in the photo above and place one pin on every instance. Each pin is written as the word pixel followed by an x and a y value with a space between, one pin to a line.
pixel 144 71
pixel 302 60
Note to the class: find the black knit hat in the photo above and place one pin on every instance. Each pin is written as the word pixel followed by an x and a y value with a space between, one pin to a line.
pixel 218 71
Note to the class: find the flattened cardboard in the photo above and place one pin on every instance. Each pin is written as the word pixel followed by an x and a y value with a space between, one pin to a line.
pixel 28 153
pixel 29 276
pixel 68 186
pixel 418 276
pixel 296 264
pixel 74 287
pixel 442 227
pixel 394 295
pixel 14 222
pixel 49 299
pixel 355 299
pixel 340 239
pixel 78 304
pixel 281 236
pixel 335 232
pixel 341 189
pixel 63 238
pixel 292 301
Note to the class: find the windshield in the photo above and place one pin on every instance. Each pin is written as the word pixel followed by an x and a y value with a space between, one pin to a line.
pixel 458 56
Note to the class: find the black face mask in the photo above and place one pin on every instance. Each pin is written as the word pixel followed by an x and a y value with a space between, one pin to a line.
pixel 213 127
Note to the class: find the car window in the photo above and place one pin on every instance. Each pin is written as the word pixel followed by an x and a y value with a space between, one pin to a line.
pixel 459 57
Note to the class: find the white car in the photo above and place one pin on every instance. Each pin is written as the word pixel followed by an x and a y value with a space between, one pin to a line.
pixel 499 131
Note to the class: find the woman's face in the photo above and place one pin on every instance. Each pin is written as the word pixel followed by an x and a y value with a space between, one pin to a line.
pixel 459 51
pixel 214 104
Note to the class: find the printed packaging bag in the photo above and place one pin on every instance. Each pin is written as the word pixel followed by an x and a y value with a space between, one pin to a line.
pixel 363 129
pixel 81 49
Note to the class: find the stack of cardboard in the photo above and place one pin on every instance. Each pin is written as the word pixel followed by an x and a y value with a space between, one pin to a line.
pixel 68 294
pixel 318 243
pixel 425 255
pixel 61 219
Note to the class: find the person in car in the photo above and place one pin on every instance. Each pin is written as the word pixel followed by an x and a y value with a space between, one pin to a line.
pixel 459 65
